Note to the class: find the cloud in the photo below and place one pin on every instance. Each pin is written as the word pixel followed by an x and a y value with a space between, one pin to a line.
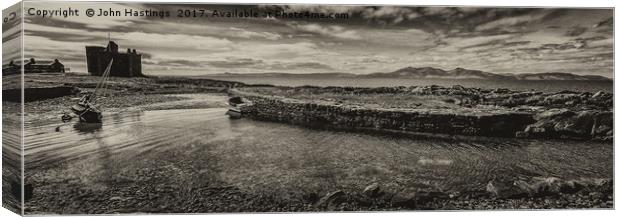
pixel 175 41
pixel 459 43
pixel 379 14
pixel 510 21
pixel 11 32
pixel 576 31
pixel 389 14
pixel 440 11
pixel 607 43
pixel 11 50
pixel 231 63
pixel 136 39
pixel 495 44
pixel 180 63
pixel 11 44
pixel 212 29
pixel 326 30
pixel 173 50
pixel 373 39
pixel 299 50
pixel 249 34
pixel 297 65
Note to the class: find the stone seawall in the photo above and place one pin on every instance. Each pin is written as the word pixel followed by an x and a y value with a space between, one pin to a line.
pixel 351 117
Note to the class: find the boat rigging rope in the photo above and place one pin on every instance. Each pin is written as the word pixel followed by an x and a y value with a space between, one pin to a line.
pixel 102 82
pixel 90 99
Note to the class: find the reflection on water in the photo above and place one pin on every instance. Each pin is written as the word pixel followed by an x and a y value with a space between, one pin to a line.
pixel 252 153
pixel 136 131
pixel 87 127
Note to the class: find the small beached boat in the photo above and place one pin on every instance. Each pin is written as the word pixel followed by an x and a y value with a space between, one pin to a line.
pixel 86 109
pixel 236 104
pixel 234 113
pixel 87 112
pixel 234 101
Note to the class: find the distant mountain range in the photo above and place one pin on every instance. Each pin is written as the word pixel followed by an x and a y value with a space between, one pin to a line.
pixel 461 73
pixel 436 73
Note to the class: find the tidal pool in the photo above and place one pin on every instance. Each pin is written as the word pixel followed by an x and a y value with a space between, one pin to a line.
pixel 204 145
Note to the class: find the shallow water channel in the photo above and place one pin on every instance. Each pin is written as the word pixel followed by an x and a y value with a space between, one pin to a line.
pixel 252 155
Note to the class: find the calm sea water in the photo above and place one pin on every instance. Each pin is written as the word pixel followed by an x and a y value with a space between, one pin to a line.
pixel 252 154
pixel 546 86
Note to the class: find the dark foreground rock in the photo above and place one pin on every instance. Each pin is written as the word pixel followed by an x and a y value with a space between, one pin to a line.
pixel 332 198
pixel 547 186
pixel 172 199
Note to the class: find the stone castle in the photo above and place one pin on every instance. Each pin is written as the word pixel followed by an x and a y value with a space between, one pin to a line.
pixel 127 64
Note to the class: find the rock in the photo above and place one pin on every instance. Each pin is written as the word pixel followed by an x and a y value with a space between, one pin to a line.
pixel 525 188
pixel 579 125
pixel 603 185
pixel 404 199
pixel 545 186
pixel 570 187
pixel 601 99
pixel 330 198
pixel 422 197
pixel 506 189
pixel 312 196
pixel 115 198
pixel 557 115
pixel 501 90
pixel 548 186
pixel 373 190
pixel 562 123
pixel 603 125
pixel 419 90
pixel 553 113
pixel 522 134
pixel 535 129
pixel 598 94
pixel 458 87
pixel 560 98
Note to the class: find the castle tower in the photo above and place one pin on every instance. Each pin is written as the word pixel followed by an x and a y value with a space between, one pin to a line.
pixel 127 64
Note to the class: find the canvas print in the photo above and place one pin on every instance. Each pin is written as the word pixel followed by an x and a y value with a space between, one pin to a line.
pixel 215 108
pixel 11 111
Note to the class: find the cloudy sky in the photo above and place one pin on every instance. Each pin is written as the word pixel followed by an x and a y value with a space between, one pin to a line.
pixel 372 39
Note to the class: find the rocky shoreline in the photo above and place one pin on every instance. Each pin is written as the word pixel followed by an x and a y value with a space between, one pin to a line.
pixel 562 115
pixel 156 197
pixel 465 111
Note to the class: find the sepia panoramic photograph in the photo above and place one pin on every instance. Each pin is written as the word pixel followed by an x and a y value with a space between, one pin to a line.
pixel 215 108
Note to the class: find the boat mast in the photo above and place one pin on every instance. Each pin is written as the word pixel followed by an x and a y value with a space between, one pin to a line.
pixel 102 82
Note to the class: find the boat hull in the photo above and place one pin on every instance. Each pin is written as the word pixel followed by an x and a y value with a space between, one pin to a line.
pixel 234 113
pixel 87 114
